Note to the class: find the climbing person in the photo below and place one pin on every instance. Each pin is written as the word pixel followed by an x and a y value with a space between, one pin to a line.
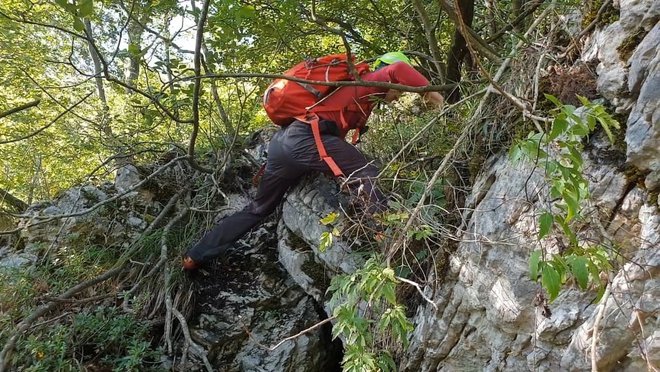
pixel 293 152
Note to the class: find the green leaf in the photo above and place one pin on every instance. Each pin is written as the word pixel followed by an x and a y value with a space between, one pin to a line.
pixel 572 204
pixel 134 49
pixel 579 128
pixel 552 99
pixel 551 281
pixel 85 8
pixel 559 126
pixel 61 3
pixel 389 293
pixel 325 241
pixel 576 157
pixel 579 269
pixel 330 218
pixel 246 11
pixel 583 100
pixel 534 261
pixel 515 153
pixel 78 25
pixel 545 224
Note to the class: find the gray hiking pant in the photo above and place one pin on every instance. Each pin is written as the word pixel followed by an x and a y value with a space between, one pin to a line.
pixel 291 154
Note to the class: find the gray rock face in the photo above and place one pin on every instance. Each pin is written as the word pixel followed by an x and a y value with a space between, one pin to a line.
pixel 633 85
pixel 631 310
pixel 126 177
pixel 302 210
pixel 250 306
pixel 489 315
pixel 643 132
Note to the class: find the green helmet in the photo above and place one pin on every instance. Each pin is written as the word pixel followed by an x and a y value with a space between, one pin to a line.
pixel 389 58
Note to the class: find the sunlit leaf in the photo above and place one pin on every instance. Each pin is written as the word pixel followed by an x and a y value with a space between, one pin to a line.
pixel 330 218
pixel 550 280
pixel 534 261
pixel 545 224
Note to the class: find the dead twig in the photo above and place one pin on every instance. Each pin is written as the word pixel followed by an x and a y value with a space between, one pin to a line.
pixel 419 289
pixel 317 325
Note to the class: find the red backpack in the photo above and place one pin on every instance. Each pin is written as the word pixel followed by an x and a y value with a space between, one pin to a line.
pixel 286 100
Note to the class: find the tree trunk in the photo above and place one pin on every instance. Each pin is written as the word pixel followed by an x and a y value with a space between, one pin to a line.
pixel 98 69
pixel 429 31
pixel 458 50
pixel 135 30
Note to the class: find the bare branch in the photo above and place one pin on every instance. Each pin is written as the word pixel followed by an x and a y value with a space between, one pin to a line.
pixel 197 88
pixel 58 117
pixel 531 8
pixel 13 201
pixel 19 108
pixel 429 30
pixel 452 10
pixel 403 88
pixel 419 289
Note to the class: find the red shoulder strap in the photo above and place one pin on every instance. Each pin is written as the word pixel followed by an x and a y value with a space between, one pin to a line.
pixel 313 120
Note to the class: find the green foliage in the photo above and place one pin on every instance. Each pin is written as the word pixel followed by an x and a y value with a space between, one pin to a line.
pixel 367 313
pixel 327 237
pixel 103 336
pixel 558 153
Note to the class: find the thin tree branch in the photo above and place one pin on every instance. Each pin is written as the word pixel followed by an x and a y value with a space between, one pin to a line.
pixel 58 117
pixel 197 89
pixel 19 108
pixel 317 325
pixel 531 8
pixel 429 31
pixel 419 289
pixel 469 34
pixel 403 88
pixel 13 201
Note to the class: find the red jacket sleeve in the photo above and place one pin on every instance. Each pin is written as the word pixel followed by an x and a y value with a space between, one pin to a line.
pixel 398 73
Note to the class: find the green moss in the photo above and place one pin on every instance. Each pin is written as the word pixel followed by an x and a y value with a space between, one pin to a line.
pixel 630 43
pixel 317 272
pixel 609 15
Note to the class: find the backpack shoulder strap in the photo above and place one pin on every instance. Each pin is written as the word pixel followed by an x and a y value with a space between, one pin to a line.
pixel 313 120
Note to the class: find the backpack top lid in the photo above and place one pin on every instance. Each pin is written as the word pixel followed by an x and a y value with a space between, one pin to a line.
pixel 284 99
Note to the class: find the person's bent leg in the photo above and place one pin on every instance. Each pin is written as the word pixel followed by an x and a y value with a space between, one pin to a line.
pixel 231 228
pixel 360 172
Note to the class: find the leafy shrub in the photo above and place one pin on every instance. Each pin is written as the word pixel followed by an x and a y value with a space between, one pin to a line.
pixel 103 336
pixel 558 153
pixel 368 315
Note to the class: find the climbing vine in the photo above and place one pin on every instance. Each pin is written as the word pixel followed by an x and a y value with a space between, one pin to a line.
pixel 365 304
pixel 559 154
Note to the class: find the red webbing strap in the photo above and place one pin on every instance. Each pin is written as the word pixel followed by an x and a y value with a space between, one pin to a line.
pixel 319 145
pixel 356 136
pixel 257 177
pixel 313 120
pixel 356 131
